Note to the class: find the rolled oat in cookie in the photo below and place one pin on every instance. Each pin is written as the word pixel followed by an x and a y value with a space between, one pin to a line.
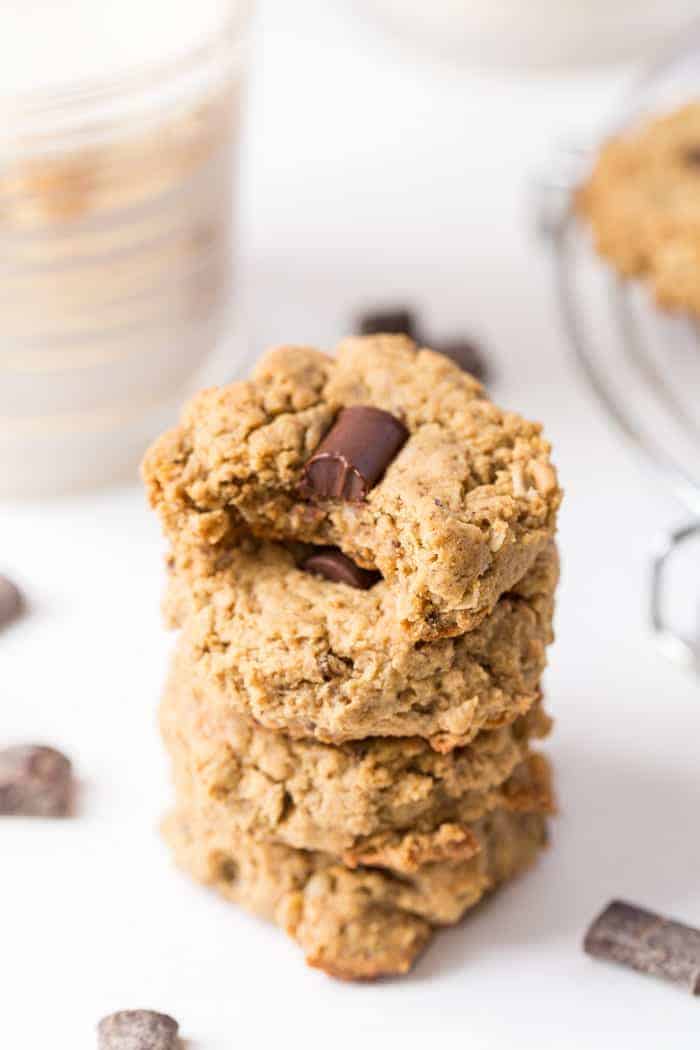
pixel 452 519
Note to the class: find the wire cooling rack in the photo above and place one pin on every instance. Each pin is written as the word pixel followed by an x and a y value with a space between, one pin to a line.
pixel 643 365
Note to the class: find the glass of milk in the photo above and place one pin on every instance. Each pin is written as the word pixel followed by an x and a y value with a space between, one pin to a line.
pixel 119 127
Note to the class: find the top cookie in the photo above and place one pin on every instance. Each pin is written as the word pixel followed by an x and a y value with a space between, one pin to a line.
pixel 643 203
pixel 451 502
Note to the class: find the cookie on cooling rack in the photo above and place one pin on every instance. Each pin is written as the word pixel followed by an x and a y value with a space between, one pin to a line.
pixel 642 201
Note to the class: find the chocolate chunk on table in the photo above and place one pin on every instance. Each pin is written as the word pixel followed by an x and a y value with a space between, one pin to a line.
pixel 35 782
pixel 10 601
pixel 333 565
pixel 648 943
pixel 354 454
pixel 399 321
pixel 466 354
pixel 138 1030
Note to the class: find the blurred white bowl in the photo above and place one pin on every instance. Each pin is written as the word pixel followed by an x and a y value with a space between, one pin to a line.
pixel 522 33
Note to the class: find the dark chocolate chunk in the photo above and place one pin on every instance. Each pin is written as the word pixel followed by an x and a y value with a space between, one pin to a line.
pixel 399 321
pixel 646 942
pixel 466 354
pixel 10 601
pixel 35 782
pixel 137 1030
pixel 354 454
pixel 333 565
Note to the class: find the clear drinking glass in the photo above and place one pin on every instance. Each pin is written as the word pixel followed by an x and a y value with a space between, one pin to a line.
pixel 116 227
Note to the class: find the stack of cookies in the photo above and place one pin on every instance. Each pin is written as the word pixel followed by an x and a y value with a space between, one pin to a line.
pixel 362 569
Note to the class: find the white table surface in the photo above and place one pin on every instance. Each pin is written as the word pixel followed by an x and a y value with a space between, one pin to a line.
pixel 370 173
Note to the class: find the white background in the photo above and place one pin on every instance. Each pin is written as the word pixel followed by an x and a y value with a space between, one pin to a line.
pixel 371 173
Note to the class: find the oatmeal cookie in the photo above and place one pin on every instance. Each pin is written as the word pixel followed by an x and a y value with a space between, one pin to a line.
pixel 642 201
pixel 388 802
pixel 353 924
pixel 321 659
pixel 388 452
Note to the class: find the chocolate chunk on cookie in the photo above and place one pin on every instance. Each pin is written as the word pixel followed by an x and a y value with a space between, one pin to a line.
pixel 354 454
pixel 35 782
pixel 138 1030
pixel 648 943
pixel 332 564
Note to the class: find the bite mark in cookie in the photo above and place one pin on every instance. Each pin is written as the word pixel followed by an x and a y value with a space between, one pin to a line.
pixel 314 658
pixel 458 516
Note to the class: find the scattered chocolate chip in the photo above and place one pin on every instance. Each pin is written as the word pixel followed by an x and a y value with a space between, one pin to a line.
pixel 10 601
pixel 34 782
pixel 646 942
pixel 333 565
pixel 400 321
pixel 137 1030
pixel 466 354
pixel 691 156
pixel 354 454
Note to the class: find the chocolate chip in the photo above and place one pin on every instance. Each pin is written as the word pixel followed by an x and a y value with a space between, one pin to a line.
pixel 354 454
pixel 34 782
pixel 691 156
pixel 466 354
pixel 400 321
pixel 333 565
pixel 228 870
pixel 10 601
pixel 646 942
pixel 137 1030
